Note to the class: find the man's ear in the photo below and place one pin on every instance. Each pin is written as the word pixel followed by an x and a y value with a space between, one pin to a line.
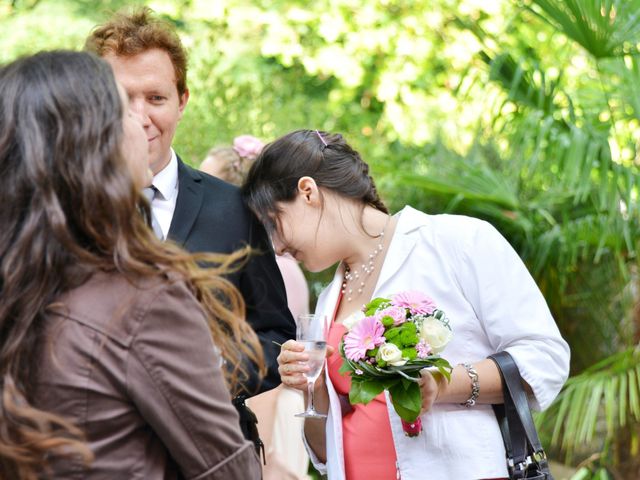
pixel 308 190
pixel 184 98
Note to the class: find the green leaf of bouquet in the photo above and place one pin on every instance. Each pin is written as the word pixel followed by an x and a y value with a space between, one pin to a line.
pixel 365 391
pixel 405 383
pixel 368 368
pixel 372 306
pixel 345 368
pixel 446 372
pixel 443 366
pixel 406 400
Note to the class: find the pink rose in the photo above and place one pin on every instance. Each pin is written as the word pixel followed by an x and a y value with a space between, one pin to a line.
pixel 399 315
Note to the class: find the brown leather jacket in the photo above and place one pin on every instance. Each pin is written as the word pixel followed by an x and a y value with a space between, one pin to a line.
pixel 135 367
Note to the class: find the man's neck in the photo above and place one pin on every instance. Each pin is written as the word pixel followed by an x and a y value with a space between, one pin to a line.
pixel 164 164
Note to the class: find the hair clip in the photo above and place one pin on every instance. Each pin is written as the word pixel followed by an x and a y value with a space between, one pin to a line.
pixel 320 137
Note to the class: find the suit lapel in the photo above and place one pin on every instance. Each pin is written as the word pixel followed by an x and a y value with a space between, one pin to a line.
pixel 188 203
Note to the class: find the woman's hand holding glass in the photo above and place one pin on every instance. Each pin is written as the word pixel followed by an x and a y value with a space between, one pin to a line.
pixel 292 365
pixel 301 362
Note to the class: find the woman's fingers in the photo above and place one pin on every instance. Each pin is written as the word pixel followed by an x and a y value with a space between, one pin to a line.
pixel 430 388
pixel 292 351
pixel 292 364
pixel 292 345
pixel 293 368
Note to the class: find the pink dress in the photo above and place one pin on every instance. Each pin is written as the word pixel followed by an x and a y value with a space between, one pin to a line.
pixel 368 445
pixel 295 284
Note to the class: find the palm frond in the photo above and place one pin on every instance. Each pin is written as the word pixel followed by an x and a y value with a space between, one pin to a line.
pixel 524 86
pixel 604 28
pixel 471 182
pixel 600 400
pixel 630 69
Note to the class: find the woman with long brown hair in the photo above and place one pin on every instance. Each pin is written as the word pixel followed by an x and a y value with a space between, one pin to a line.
pixel 112 343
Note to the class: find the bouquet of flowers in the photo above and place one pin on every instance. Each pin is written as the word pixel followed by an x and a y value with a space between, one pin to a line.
pixel 387 345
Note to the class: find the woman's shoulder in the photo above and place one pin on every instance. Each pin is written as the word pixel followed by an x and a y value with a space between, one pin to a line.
pixel 443 225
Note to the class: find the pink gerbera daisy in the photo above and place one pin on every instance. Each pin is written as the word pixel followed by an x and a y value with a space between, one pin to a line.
pixel 365 335
pixel 417 302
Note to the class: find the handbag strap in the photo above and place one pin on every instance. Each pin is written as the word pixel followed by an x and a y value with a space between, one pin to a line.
pixel 516 423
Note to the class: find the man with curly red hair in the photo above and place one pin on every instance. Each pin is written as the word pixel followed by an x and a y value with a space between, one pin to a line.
pixel 193 209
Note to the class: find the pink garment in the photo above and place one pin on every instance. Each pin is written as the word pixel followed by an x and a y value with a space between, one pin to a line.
pixel 369 451
pixel 280 431
pixel 295 284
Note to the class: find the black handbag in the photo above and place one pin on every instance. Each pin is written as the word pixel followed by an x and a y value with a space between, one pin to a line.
pixel 526 458
pixel 249 425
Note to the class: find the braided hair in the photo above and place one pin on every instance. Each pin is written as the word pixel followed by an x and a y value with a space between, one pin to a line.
pixel 326 157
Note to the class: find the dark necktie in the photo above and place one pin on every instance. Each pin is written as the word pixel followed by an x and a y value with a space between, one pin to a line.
pixel 150 193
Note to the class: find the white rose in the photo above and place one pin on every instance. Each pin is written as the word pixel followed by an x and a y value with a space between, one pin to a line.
pixel 391 354
pixel 352 320
pixel 435 333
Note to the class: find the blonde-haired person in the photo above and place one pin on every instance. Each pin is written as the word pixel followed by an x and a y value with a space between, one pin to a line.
pixel 231 164
pixel 280 432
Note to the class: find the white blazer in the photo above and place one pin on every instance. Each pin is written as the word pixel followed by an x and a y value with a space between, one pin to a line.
pixel 493 305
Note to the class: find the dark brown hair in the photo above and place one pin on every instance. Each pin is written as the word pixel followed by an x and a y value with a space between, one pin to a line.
pixel 326 157
pixel 131 32
pixel 70 208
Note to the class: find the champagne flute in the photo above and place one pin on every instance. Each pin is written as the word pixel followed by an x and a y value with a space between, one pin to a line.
pixel 309 333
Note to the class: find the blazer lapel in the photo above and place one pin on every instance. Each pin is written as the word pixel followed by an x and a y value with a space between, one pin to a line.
pixel 327 303
pixel 401 246
pixel 188 203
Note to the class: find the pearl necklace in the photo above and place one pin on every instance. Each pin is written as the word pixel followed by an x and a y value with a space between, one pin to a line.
pixel 365 270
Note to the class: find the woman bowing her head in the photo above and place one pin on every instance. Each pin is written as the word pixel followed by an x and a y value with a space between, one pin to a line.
pixel 315 194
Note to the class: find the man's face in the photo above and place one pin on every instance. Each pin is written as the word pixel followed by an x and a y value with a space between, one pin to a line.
pixel 150 82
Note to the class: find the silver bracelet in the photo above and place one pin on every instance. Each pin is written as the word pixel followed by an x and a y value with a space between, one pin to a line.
pixel 475 384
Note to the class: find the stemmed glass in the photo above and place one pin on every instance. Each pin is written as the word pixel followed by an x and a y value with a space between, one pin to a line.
pixel 315 345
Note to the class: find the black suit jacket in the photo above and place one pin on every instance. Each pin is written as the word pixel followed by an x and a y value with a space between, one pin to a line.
pixel 210 216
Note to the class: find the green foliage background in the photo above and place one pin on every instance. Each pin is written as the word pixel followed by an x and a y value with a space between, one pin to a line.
pixel 522 112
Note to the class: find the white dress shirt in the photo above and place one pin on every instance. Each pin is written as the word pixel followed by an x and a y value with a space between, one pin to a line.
pixel 164 202
pixel 493 305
